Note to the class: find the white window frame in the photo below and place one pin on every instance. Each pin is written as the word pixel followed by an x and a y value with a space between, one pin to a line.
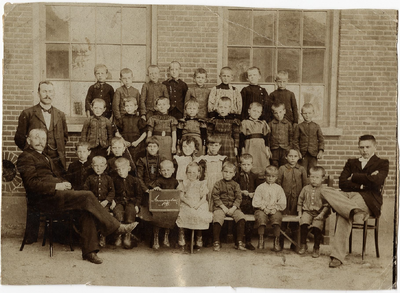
pixel 39 49
pixel 330 68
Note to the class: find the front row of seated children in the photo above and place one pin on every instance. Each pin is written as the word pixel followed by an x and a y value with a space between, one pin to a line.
pixel 232 195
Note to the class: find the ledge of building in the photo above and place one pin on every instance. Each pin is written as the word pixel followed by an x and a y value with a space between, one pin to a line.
pixel 332 131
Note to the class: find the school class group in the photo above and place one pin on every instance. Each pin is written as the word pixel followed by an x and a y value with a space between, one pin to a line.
pixel 228 152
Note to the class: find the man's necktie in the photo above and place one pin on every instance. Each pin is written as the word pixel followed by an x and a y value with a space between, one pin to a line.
pixel 48 111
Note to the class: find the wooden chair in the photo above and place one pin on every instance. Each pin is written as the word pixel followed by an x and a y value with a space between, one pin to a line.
pixel 365 226
pixel 48 218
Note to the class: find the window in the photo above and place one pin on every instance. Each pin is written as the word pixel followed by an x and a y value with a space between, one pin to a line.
pixel 76 37
pixel 297 41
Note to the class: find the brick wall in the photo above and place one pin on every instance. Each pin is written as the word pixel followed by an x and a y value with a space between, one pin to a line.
pixel 367 88
pixel 17 95
pixel 18 72
pixel 188 34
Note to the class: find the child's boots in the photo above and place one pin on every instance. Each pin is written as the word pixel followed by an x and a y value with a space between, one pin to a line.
pixel 118 241
pixel 199 241
pixel 127 241
pixel 102 240
pixel 181 237
pixel 166 238
pixel 277 245
pixel 156 244
pixel 261 241
pixel 303 249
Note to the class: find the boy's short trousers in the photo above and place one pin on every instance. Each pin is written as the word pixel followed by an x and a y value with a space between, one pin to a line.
pixel 219 216
pixel 262 218
pixel 308 218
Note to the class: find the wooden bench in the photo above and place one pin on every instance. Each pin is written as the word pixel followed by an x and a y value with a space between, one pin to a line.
pixel 250 218
pixel 286 219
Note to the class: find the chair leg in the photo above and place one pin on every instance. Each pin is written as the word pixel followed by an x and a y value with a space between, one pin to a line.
pixel 376 237
pixel 351 240
pixel 25 235
pixel 191 242
pixel 70 227
pixel 23 242
pixel 51 236
pixel 46 231
pixel 365 233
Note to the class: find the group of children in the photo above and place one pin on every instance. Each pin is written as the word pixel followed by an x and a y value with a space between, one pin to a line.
pixel 215 146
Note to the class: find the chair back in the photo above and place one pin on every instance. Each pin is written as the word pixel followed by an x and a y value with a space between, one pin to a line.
pixel 328 181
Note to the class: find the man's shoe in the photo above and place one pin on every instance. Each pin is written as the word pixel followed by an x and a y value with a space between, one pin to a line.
pixel 217 246
pixel 102 241
pixel 335 263
pixel 118 241
pixel 302 249
pixel 126 228
pixel 93 258
pixel 241 246
pixel 277 245
pixel 127 241
pixel 315 253
pixel 249 246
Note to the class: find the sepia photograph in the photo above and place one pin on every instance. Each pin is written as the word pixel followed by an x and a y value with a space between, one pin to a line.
pixel 243 145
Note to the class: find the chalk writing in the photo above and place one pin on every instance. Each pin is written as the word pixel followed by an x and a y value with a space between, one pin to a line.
pixel 165 202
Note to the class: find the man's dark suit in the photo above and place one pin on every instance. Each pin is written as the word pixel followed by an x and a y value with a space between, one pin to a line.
pixel 37 172
pixel 372 184
pixel 353 198
pixel 32 118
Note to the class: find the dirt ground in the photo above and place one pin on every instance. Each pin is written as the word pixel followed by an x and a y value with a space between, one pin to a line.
pixel 142 266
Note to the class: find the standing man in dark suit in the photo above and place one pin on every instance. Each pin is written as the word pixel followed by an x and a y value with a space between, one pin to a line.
pixel 48 192
pixel 45 116
pixel 361 182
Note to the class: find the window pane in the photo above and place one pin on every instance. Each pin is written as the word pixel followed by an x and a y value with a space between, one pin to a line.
pixel 289 60
pixel 111 57
pixel 134 25
pixel 108 24
pixel 263 28
pixel 314 30
pixel 289 28
pixel 264 59
pixel 57 28
pixel 78 96
pixel 134 57
pixel 239 61
pixel 315 96
pixel 82 24
pixel 82 62
pixel 313 65
pixel 57 61
pixel 62 96
pixel 239 27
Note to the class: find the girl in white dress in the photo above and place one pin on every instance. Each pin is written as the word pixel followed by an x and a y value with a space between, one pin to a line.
pixel 194 213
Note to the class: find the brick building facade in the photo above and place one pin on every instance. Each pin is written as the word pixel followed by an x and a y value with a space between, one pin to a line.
pixel 362 86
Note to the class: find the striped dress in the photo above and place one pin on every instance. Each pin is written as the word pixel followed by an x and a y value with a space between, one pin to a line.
pixel 228 129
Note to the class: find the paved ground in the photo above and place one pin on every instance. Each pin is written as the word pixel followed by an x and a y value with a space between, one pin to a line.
pixel 168 267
